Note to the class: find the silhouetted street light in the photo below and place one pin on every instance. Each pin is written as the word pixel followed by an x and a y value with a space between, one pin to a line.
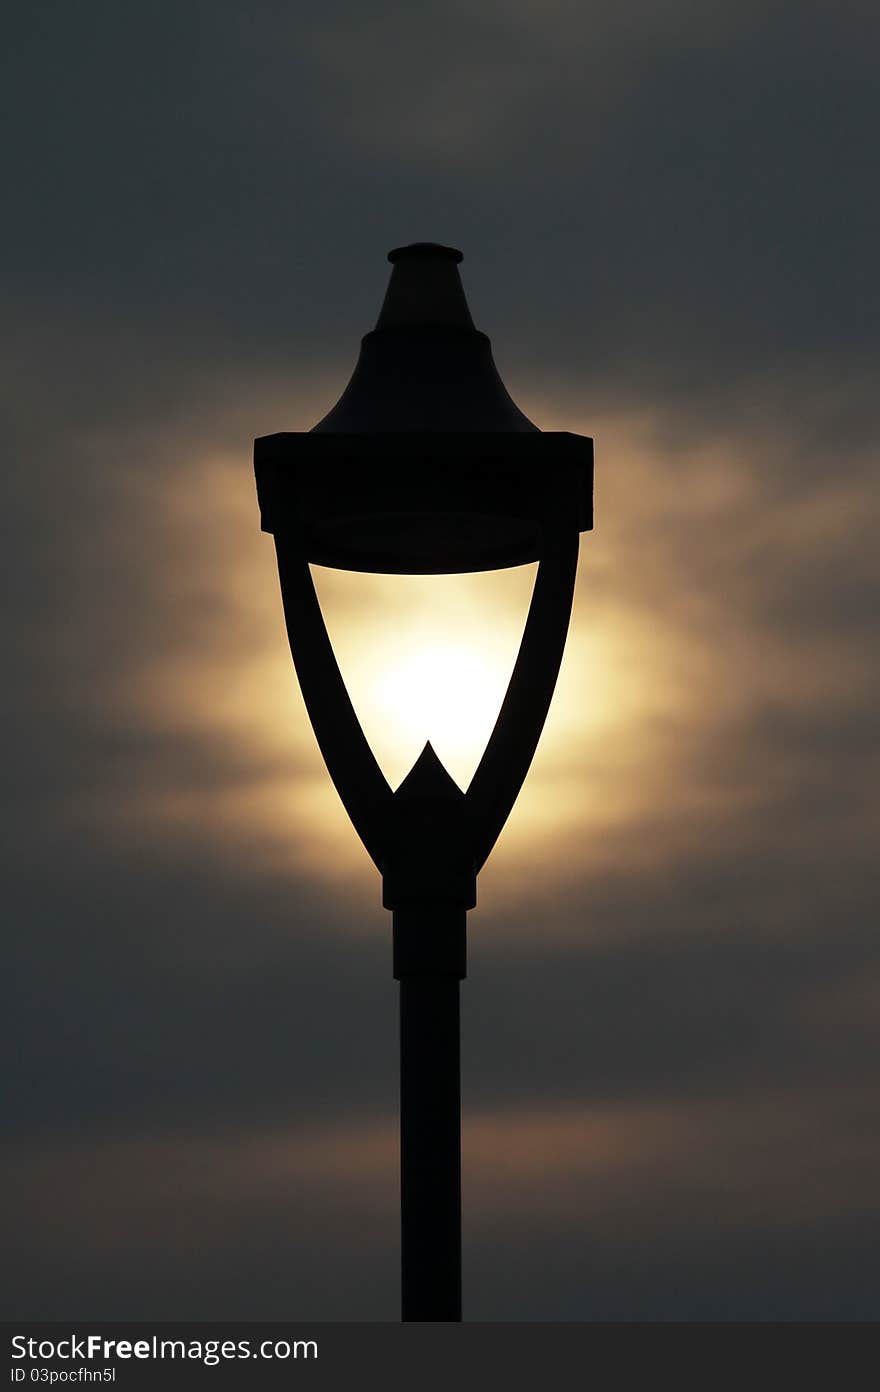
pixel 426 466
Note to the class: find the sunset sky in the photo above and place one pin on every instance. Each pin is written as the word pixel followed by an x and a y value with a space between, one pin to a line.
pixel 669 219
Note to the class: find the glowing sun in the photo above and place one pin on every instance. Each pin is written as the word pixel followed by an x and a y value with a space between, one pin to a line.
pixel 446 693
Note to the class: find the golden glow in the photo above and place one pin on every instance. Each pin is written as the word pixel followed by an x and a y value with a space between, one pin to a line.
pixel 630 770
pixel 423 658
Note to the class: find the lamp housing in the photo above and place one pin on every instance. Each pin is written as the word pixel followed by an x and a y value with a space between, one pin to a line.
pixel 425 465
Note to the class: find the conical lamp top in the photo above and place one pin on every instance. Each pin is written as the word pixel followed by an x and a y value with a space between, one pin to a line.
pixel 425 366
pixel 425 289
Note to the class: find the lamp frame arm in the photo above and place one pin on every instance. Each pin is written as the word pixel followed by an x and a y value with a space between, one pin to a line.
pixel 353 768
pixel 507 757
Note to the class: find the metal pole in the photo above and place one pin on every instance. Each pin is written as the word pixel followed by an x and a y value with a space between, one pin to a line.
pixel 430 1108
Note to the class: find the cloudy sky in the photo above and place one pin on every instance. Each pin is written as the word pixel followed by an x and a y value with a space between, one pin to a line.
pixel 669 217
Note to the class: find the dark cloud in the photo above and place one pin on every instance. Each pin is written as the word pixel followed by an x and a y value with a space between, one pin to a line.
pixel 662 199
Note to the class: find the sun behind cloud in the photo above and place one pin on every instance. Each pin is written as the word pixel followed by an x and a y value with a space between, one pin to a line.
pixel 446 693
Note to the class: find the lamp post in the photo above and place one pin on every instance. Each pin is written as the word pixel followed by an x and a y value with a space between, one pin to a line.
pixel 426 466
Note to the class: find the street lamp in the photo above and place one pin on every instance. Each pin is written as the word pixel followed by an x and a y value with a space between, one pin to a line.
pixel 426 466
